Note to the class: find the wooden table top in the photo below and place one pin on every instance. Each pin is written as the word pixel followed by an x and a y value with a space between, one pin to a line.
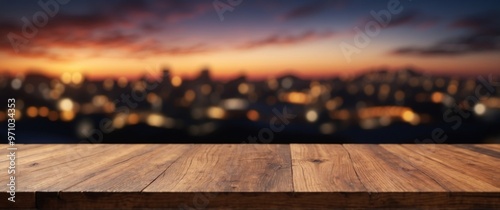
pixel 125 176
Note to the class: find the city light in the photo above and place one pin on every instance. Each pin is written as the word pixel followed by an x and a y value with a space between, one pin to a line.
pixel 410 117
pixel 133 119
pixel 234 104
pixel 243 88
pixel 2 116
pixel 122 82
pixel 67 115
pixel 16 84
pixel 216 113
pixel 151 72
pixel 119 121
pixel 197 106
pixel 76 78
pixel 43 111
pixel 156 120
pixel 437 97
pixel 253 115
pixel 311 116
pixel 176 81
pixel 32 111
pixel 189 95
pixel 480 109
pixel 65 104
pixel 66 78
pixel 296 98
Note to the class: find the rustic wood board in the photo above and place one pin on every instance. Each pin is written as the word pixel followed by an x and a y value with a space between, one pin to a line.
pixel 110 176
pixel 323 168
pixel 228 168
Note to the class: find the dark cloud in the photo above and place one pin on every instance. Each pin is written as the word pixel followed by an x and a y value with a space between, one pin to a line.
pixel 287 39
pixel 120 26
pixel 483 36
pixel 404 18
pixel 310 9
pixel 304 10
pixel 410 18
pixel 477 21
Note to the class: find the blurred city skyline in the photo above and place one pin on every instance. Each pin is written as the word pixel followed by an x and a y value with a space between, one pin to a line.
pixel 259 39
pixel 381 106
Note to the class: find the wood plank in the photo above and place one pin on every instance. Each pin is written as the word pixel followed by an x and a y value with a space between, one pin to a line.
pixel 495 147
pixel 323 168
pixel 448 177
pixel 484 161
pixel 55 162
pixel 257 176
pixel 474 165
pixel 56 157
pixel 65 174
pixel 228 168
pixel 382 171
pixel 133 174
pixel 33 151
pixel 480 149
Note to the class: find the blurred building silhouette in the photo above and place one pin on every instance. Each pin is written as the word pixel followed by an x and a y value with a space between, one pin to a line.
pixel 376 107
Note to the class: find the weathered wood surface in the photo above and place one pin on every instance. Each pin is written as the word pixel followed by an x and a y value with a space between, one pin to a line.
pixel 138 176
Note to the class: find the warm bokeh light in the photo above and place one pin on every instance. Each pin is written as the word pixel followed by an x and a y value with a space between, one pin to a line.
pixel 43 111
pixel 253 115
pixel 480 109
pixel 311 116
pixel 133 119
pixel 67 115
pixel 437 97
pixel 32 111
pixel 65 104
pixel 216 113
pixel 176 81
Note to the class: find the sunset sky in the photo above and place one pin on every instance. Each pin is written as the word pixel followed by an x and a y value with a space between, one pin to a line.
pixel 259 38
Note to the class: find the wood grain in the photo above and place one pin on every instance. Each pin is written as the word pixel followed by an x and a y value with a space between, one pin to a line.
pixel 451 178
pixel 140 171
pixel 228 168
pixel 381 171
pixel 480 169
pixel 485 150
pixel 65 169
pixel 323 168
pixel 266 176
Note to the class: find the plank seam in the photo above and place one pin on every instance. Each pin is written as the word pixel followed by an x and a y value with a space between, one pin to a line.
pixel 479 150
pixel 423 172
pixel 448 165
pixel 105 169
pixel 163 172
pixel 67 162
pixel 291 167
pixel 354 168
